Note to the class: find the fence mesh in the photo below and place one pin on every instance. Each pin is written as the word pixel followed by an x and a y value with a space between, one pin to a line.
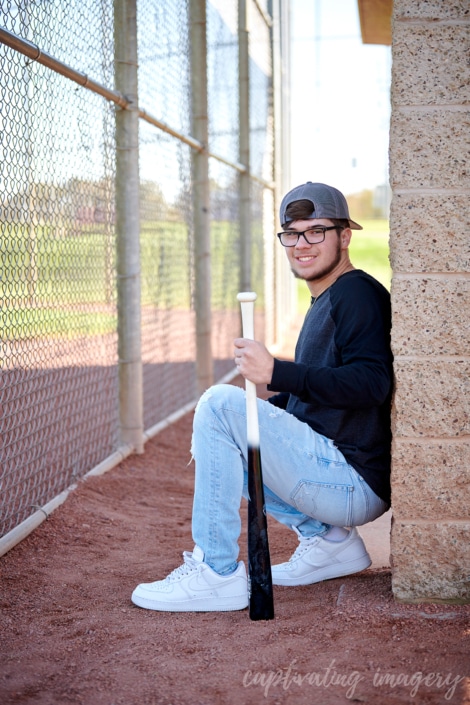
pixel 222 71
pixel 59 382
pixel 168 325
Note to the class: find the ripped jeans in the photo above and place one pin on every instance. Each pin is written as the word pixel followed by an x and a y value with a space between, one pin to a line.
pixel 307 481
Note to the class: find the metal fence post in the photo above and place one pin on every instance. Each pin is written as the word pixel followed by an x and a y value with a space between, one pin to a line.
pixel 201 195
pixel 244 146
pixel 128 227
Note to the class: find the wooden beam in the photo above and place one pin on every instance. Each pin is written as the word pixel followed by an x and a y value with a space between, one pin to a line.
pixel 376 21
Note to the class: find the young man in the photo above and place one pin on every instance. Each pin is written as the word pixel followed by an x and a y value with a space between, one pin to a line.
pixel 325 436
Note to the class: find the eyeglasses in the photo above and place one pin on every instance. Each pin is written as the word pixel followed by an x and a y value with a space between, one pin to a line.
pixel 313 236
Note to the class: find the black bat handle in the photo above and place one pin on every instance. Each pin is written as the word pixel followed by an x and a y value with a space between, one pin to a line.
pixel 259 562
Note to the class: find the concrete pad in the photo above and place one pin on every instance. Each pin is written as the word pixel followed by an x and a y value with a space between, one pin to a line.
pixel 376 536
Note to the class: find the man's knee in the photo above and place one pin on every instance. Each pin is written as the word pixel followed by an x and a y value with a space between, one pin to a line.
pixel 217 397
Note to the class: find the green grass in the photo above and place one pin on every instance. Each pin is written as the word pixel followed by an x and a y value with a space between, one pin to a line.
pixel 368 251
pixel 57 285
pixel 27 323
pixel 63 285
pixel 50 269
pixel 166 262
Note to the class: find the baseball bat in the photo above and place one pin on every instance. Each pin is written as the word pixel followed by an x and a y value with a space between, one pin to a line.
pixel 261 604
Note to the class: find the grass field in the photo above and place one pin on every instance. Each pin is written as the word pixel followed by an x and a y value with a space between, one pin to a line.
pixel 56 285
pixel 66 284
pixel 368 251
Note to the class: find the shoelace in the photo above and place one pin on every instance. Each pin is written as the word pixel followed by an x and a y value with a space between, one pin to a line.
pixel 303 546
pixel 189 566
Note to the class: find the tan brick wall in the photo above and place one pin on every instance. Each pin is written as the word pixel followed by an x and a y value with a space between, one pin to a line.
pixel 430 257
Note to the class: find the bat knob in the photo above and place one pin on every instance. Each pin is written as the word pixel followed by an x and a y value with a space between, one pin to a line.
pixel 246 296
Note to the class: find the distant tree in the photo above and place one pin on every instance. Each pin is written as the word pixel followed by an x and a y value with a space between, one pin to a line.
pixel 153 205
pixel 363 205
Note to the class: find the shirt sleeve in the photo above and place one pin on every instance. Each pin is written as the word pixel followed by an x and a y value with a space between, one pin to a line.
pixel 279 400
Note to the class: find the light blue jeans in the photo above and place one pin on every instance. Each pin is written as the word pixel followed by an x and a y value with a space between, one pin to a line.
pixel 307 481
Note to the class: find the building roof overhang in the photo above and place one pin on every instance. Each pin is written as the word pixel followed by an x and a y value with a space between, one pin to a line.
pixel 376 21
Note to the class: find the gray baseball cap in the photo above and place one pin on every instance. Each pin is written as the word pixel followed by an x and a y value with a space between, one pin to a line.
pixel 327 202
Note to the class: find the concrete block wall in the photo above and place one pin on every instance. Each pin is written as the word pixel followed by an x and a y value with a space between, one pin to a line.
pixel 430 257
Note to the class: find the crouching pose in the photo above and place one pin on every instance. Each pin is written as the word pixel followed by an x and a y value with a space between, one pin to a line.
pixel 324 435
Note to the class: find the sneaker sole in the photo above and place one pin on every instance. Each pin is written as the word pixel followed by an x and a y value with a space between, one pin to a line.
pixel 216 605
pixel 326 573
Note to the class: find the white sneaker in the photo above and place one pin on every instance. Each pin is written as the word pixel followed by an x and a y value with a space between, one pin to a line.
pixel 195 587
pixel 317 559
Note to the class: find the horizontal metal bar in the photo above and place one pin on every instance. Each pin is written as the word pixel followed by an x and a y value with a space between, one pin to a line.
pixel 152 120
pixel 235 165
pixel 33 52
pixel 267 184
pixel 195 144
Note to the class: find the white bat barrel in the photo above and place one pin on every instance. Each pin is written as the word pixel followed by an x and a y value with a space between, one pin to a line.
pixel 247 300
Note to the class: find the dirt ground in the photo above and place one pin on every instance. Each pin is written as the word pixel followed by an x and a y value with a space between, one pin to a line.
pixel 69 633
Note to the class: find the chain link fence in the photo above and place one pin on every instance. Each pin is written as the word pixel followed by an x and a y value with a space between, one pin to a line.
pixel 60 296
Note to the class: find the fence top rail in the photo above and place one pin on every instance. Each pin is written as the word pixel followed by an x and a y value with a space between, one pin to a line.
pixel 33 52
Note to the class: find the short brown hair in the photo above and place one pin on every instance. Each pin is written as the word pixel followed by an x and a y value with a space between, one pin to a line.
pixel 299 210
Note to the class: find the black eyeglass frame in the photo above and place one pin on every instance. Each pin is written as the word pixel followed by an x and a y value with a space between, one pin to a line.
pixel 323 228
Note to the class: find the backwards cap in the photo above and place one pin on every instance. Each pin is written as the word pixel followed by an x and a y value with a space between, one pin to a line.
pixel 327 202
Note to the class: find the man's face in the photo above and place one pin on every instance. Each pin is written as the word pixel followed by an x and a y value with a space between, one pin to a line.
pixel 315 262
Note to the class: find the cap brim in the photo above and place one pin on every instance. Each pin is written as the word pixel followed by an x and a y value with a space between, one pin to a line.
pixel 355 226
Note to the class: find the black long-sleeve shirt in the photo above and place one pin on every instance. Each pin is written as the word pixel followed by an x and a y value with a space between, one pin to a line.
pixel 341 380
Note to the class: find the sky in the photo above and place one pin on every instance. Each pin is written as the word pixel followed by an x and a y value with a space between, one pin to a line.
pixel 340 107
